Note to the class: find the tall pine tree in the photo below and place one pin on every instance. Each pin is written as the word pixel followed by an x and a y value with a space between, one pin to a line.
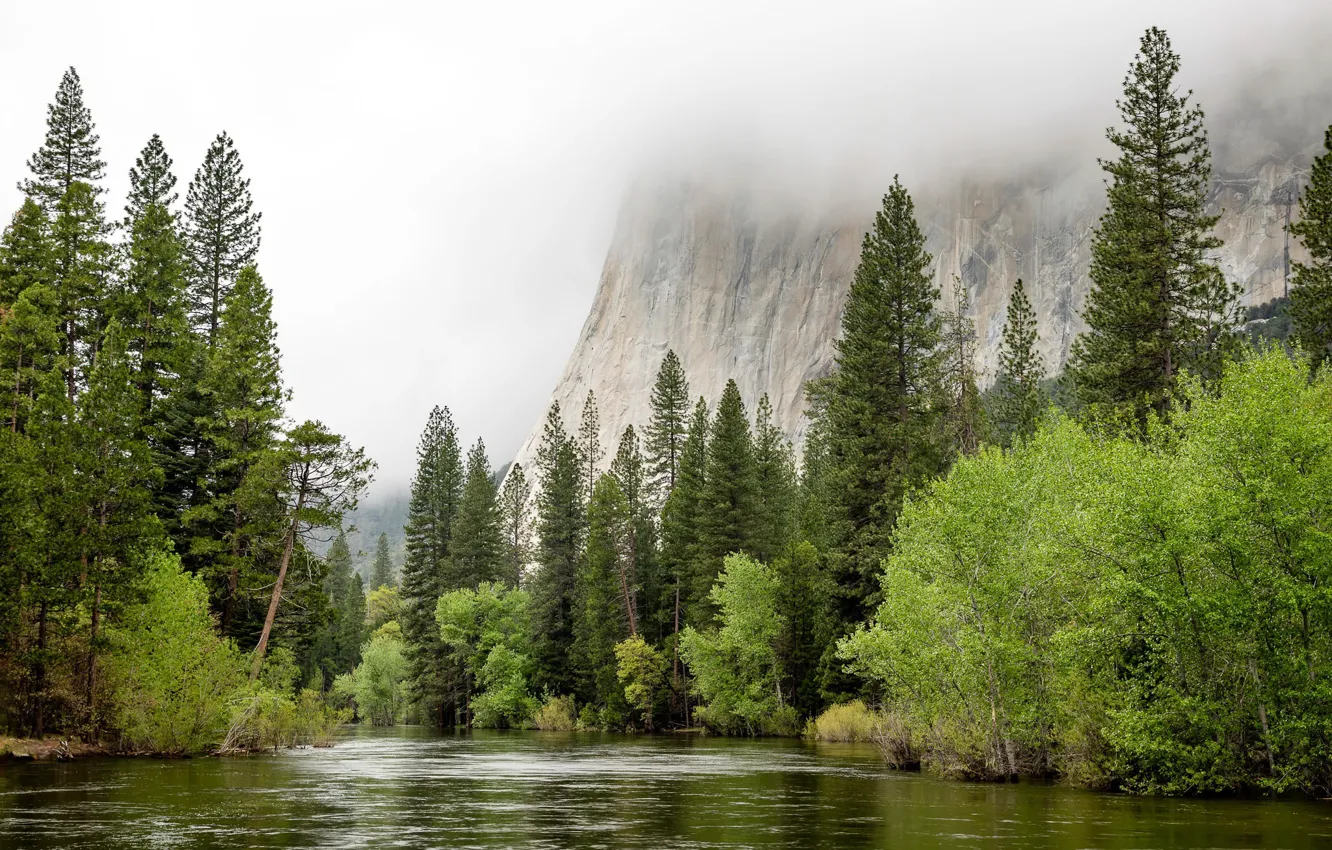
pixel 71 151
pixel 476 549
pixel 221 232
pixel 604 607
pixel 152 182
pixel 680 521
pixel 83 266
pixel 381 574
pixel 561 526
pixel 515 507
pixel 589 444
pixel 1311 292
pixel 774 466
pixel 1159 304
pixel 729 508
pixel 668 426
pixel 1019 399
pixel 29 320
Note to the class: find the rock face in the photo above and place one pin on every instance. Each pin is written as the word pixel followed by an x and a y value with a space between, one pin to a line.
pixel 741 288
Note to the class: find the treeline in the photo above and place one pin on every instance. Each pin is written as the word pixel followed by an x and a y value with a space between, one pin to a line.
pixel 157 509
pixel 1126 589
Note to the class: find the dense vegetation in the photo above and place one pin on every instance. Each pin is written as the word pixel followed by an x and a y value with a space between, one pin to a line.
pixel 1117 577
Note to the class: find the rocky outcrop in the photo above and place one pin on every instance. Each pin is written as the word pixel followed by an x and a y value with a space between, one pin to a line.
pixel 743 287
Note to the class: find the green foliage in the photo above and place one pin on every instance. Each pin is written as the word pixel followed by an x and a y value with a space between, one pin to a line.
pixel 729 506
pixel 1151 617
pixel 680 519
pixel 1019 398
pixel 1311 290
pixel 774 469
pixel 476 548
pixel 336 647
pixel 174 676
pixel 805 602
pixel 735 665
pixel 556 715
pixel 383 605
pixel 378 684
pixel 486 630
pixel 641 669
pixel 645 584
pixel 1159 304
pixel 590 451
pixel 515 517
pixel 845 722
pixel 604 593
pixel 381 575
pixel 561 526
pixel 878 413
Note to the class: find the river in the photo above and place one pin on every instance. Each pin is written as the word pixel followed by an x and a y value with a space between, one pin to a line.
pixel 409 787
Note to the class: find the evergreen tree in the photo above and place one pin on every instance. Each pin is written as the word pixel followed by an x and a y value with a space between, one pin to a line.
pixel 1159 304
pixel 729 508
pixel 561 523
pixel 234 516
pixel 1311 292
pixel 804 601
pixel 221 232
pixel 436 492
pixel 1019 398
pixel 82 272
pixel 382 573
pixel 152 183
pixel 71 151
pixel 29 320
pixel 477 545
pixel 643 566
pixel 151 306
pixel 27 253
pixel 336 648
pixel 515 507
pixel 962 403
pixel 590 451
pixel 680 520
pixel 604 600
pixel 774 464
pixel 668 427
pixel 880 406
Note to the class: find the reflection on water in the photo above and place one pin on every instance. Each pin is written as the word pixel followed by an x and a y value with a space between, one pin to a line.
pixel 408 787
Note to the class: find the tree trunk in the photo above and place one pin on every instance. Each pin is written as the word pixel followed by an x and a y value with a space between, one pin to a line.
pixel 287 548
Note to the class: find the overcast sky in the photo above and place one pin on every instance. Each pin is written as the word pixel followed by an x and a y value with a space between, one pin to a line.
pixel 439 181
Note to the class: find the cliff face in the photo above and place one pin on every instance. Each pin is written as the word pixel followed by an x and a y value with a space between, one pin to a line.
pixel 741 288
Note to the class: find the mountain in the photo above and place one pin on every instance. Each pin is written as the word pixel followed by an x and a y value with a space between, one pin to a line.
pixel 743 283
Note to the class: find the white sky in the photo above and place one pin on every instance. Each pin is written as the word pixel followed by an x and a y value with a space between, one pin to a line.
pixel 439 181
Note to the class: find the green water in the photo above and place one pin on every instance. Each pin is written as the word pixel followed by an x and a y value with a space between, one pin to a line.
pixel 410 788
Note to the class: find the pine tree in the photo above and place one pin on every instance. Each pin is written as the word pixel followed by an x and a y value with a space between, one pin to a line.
pixel 83 268
pixel 804 599
pixel 1158 304
pixel 561 524
pixel 681 518
pixel 476 548
pixel 668 427
pixel 603 610
pixel 1019 398
pixel 962 403
pixel 71 150
pixel 382 573
pixel 590 451
pixel 431 514
pixel 729 516
pixel 151 306
pixel 515 506
pixel 336 647
pixel 221 232
pixel 880 407
pixel 245 399
pixel 643 573
pixel 152 182
pixel 775 469
pixel 1311 292
pixel 29 320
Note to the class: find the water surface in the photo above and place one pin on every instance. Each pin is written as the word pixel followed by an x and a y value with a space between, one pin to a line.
pixel 409 787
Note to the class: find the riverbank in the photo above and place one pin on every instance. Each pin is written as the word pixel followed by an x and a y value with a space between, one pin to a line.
pixel 47 749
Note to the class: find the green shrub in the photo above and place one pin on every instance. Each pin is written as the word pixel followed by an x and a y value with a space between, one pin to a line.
pixel 557 715
pixel 848 721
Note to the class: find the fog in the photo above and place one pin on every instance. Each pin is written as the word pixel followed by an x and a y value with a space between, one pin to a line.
pixel 439 182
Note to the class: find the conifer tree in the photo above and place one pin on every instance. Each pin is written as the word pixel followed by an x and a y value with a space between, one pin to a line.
pixel 561 525
pixel 152 183
pixel 82 273
pixel 71 151
pixel 29 320
pixel 589 444
pixel 221 232
pixel 1019 398
pixel 1311 291
pixel 643 567
pixel 151 306
pixel 775 468
pixel 963 417
pixel 729 508
pixel 680 520
pixel 515 506
pixel 1158 305
pixel 880 405
pixel 336 647
pixel 668 426
pixel 477 545
pixel 604 598
pixel 242 386
pixel 431 514
pixel 381 575
pixel 804 600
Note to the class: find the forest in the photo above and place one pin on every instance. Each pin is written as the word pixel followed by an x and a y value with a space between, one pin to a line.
pixel 1116 576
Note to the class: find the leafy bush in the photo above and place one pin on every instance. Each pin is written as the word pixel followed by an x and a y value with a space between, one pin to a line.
pixel 175 678
pixel 556 715
pixel 377 684
pixel 848 722
pixel 641 669
pixel 487 631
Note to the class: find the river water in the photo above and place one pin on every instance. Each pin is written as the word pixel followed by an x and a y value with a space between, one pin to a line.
pixel 409 787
